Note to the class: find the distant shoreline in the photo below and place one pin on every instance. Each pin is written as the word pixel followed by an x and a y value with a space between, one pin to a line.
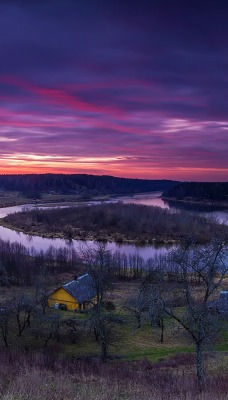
pixel 67 200
pixel 221 204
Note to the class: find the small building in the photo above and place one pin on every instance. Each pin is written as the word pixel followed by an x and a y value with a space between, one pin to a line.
pixel 221 305
pixel 223 302
pixel 75 295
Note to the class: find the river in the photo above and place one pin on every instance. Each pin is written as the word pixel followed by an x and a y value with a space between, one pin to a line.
pixel 146 251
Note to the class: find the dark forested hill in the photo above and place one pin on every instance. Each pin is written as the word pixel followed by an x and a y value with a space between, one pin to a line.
pixel 198 191
pixel 77 183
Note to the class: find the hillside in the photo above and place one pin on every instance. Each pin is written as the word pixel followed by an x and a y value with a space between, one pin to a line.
pixel 209 192
pixel 77 183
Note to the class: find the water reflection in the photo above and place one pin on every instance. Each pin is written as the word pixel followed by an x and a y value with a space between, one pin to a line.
pixel 146 251
pixel 39 243
pixel 151 199
pixel 195 207
pixel 217 213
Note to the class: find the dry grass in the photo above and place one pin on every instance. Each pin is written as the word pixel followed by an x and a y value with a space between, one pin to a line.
pixel 39 377
pixel 10 199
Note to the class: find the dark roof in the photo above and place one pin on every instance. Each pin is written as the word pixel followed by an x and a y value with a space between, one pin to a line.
pixel 82 289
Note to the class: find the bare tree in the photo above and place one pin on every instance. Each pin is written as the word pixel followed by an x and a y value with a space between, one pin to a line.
pixel 137 305
pixel 101 323
pixel 75 329
pixel 41 290
pixel 97 262
pixel 156 313
pixel 4 280
pixel 5 318
pixel 22 307
pixel 154 291
pixel 209 265
pixel 46 327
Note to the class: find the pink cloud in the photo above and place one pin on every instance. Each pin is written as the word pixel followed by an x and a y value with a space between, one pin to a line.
pixel 125 142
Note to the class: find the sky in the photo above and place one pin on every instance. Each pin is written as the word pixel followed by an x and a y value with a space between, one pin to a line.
pixel 123 88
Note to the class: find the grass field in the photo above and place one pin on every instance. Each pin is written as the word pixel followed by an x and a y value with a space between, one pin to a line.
pixel 139 367
pixel 128 342
pixel 13 198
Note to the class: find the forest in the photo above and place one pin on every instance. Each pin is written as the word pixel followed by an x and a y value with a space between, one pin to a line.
pixel 113 222
pixel 32 185
pixel 199 191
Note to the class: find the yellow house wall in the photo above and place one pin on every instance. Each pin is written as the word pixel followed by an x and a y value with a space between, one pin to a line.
pixel 61 296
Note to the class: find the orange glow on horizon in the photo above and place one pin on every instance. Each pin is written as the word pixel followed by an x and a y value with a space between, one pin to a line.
pixel 136 171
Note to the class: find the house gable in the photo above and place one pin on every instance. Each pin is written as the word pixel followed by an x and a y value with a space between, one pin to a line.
pixel 76 295
pixel 61 296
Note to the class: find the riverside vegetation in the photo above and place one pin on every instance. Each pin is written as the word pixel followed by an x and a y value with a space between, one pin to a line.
pixel 133 327
pixel 211 193
pixel 149 319
pixel 113 222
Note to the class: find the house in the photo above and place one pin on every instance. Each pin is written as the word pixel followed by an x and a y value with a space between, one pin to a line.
pixel 75 295
pixel 220 305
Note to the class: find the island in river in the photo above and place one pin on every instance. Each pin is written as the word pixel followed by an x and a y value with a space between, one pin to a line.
pixel 114 222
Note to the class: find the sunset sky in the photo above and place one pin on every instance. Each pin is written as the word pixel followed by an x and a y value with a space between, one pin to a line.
pixel 123 88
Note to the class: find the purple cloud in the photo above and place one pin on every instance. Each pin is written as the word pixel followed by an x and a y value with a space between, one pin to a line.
pixel 125 88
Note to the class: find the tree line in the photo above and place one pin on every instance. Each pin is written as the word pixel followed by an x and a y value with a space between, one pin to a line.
pixel 198 191
pixel 75 183
pixel 21 266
